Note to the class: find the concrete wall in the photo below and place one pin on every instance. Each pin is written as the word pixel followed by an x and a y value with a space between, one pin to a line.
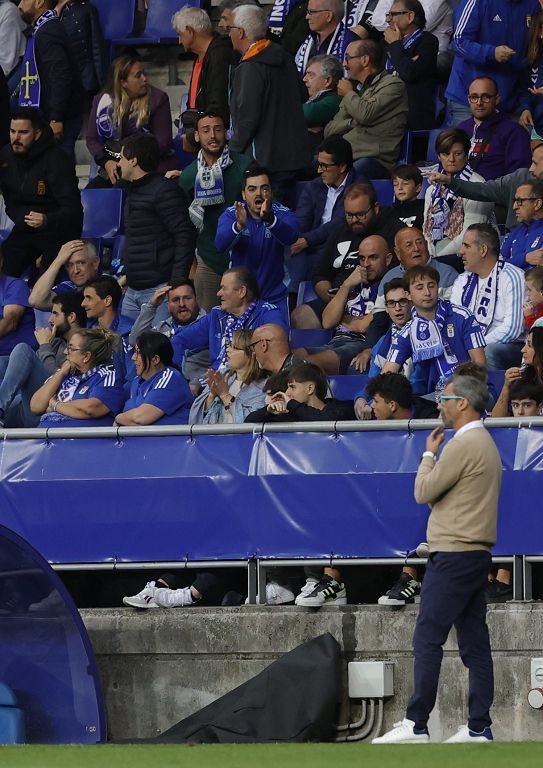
pixel 160 666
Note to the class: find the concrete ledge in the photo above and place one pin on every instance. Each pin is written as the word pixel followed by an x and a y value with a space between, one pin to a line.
pixel 160 666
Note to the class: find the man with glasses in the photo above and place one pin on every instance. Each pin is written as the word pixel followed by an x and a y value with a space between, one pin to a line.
pixel 498 145
pixel 364 216
pixel 412 55
pixel 272 350
pixel 373 120
pixel 327 32
pixel 524 244
pixel 462 488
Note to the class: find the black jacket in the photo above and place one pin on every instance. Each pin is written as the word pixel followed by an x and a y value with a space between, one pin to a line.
pixel 82 26
pixel 267 115
pixel 42 180
pixel 61 91
pixel 416 66
pixel 334 410
pixel 214 84
pixel 4 109
pixel 159 238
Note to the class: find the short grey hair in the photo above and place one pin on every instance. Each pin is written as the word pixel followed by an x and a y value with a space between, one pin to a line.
pixel 486 235
pixel 91 250
pixel 196 18
pixel 337 8
pixel 330 67
pixel 253 20
pixel 473 390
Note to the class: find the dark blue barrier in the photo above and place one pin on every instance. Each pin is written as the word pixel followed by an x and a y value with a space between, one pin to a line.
pixel 215 497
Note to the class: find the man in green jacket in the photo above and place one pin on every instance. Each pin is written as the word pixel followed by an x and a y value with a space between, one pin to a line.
pixel 211 184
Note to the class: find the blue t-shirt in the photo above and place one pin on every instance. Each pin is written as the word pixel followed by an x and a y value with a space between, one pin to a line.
pixel 520 241
pixel 102 382
pixel 462 333
pixel 167 390
pixel 15 291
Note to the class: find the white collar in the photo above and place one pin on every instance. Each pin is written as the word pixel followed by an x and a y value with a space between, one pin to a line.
pixel 476 424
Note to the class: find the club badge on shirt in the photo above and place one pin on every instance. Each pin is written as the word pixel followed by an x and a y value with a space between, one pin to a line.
pixel 450 330
pixel 83 390
pixel 41 187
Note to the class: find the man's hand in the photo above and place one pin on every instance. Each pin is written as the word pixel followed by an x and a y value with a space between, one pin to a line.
pixel 434 440
pixel 278 403
pixel 44 335
pixel 362 409
pixel 112 170
pixel 58 129
pixel 526 119
pixel 300 245
pixel 159 295
pixel 358 276
pixel 361 361
pixel 535 258
pixel 344 86
pixel 36 220
pixel 266 211
pixel 502 54
pixel 67 250
pixel 172 174
pixel 392 34
pixel 241 215
pixel 440 178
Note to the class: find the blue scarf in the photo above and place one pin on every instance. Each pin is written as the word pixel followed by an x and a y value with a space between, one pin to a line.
pixel 279 13
pixel 407 43
pixel 442 201
pixel 336 46
pixel 30 86
pixel 428 341
pixel 482 302
pixel 232 325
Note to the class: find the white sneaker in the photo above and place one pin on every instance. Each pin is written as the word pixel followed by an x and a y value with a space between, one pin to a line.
pixel 466 736
pixel 144 599
pixel 326 591
pixel 403 733
pixel 275 594
pixel 173 598
pixel 308 587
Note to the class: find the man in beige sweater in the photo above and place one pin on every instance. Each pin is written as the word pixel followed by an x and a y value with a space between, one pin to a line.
pixel 462 488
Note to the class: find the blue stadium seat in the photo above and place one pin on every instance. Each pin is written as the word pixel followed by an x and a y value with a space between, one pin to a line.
pixel 495 381
pixel 310 337
pixel 431 155
pixel 102 213
pixel 347 387
pixel 158 26
pixel 385 191
pixel 306 292
pixel 117 17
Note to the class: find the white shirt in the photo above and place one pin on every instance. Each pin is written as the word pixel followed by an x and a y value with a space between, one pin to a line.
pixel 331 198
pixel 12 40
pixel 477 424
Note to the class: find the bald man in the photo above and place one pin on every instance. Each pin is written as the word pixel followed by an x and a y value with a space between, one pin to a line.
pixel 350 310
pixel 272 349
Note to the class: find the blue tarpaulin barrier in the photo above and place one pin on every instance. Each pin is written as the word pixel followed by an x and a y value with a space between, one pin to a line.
pixel 220 497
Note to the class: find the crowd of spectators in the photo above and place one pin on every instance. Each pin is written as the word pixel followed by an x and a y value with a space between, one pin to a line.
pixel 290 169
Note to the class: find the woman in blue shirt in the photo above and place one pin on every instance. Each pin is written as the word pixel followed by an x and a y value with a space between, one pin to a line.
pixel 159 394
pixel 86 390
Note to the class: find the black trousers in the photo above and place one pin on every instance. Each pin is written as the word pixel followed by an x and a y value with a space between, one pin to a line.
pixel 453 594
pixel 22 249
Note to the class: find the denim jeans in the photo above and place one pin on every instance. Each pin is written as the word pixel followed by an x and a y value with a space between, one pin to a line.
pixel 133 300
pixel 23 374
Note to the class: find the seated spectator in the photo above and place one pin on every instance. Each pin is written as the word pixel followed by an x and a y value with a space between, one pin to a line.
pixel 184 310
pixel 322 75
pixel 81 263
pixel 439 335
pixel 277 382
pixel 159 394
pixel 164 592
pixel 229 397
pixel 364 216
pixel 373 122
pixel 206 201
pixel 328 33
pixel 28 369
pixel 392 399
pixel 255 233
pixel 523 246
pixel 16 317
pixel 86 391
pixel 240 307
pixel 412 54
pixel 446 215
pixel 530 93
pixel 533 307
pixel 521 395
pixel 127 105
pixel 272 349
pixel 493 291
pixel 320 208
pixel 499 145
pixel 350 309
pixel 531 370
pixel 407 182
pixel 81 23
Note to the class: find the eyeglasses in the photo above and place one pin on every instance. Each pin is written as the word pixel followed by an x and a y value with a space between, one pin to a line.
pixel 311 12
pixel 389 303
pixel 253 344
pixel 71 348
pixel 391 14
pixel 357 214
pixel 325 166
pixel 484 97
pixel 522 200
pixel 441 398
pixel 238 349
pixel 347 58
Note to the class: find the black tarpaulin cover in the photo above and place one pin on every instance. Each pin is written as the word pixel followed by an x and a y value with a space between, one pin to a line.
pixel 292 700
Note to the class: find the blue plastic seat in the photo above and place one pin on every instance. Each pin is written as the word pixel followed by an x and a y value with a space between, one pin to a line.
pixel 306 292
pixel 102 213
pixel 385 190
pixel 347 387
pixel 310 337
pixel 158 26
pixel 117 17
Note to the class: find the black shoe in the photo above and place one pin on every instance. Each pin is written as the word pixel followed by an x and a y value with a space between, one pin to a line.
pixel 405 591
pixel 498 592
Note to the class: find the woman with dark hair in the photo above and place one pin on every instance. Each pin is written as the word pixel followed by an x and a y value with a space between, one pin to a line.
pixel 531 370
pixel 159 394
pixel 86 390
pixel 231 396
pixel 127 105
pixel 446 215
pixel 531 96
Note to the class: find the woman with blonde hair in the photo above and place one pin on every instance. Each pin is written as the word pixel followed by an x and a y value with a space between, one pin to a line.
pixel 228 398
pixel 127 105
pixel 86 391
